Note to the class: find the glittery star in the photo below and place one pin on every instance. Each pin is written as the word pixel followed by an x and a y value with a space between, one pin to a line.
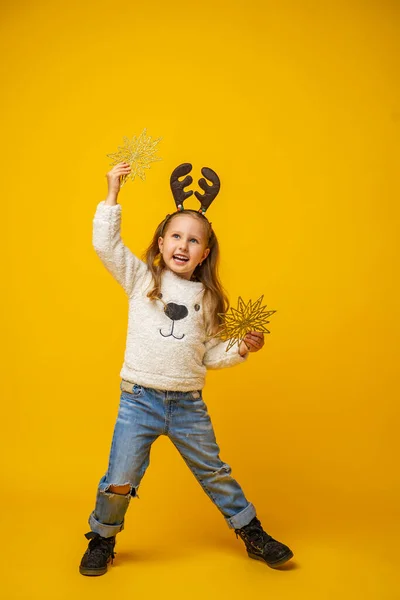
pixel 243 319
pixel 139 152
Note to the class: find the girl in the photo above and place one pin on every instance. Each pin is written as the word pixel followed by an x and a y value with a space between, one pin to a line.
pixel 174 301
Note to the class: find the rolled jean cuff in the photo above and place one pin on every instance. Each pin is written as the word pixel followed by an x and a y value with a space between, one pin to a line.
pixel 102 529
pixel 242 518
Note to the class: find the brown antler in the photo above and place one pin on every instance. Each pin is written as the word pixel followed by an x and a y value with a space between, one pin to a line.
pixel 177 186
pixel 210 191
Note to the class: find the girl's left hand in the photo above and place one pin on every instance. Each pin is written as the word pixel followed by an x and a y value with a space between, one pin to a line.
pixel 252 342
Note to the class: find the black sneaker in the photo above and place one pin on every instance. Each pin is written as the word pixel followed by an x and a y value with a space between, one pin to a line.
pixel 261 546
pixel 98 554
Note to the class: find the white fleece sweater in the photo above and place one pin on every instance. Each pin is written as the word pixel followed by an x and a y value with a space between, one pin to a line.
pixel 166 346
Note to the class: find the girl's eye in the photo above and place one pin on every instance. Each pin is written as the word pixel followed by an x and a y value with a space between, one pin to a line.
pixel 175 235
pixel 194 240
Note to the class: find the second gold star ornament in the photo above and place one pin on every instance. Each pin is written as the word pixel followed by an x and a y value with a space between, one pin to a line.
pixel 243 319
pixel 139 153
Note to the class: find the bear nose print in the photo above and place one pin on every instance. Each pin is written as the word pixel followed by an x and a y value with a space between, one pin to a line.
pixel 176 311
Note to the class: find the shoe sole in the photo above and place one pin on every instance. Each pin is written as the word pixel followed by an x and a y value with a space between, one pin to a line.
pixel 94 572
pixel 278 563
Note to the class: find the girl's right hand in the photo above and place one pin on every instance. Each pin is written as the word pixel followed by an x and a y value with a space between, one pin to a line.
pixel 114 177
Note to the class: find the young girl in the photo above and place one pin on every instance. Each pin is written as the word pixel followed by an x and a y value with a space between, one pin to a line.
pixel 174 301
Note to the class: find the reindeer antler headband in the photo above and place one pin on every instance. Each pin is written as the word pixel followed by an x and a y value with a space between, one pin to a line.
pixel 178 191
pixel 180 195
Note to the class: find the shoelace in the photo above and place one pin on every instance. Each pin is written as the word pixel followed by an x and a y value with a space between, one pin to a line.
pixel 254 534
pixel 98 543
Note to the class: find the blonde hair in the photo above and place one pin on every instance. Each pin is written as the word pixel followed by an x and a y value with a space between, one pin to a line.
pixel 215 298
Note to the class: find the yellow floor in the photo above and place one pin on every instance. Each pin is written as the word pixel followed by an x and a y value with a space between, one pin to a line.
pixel 157 554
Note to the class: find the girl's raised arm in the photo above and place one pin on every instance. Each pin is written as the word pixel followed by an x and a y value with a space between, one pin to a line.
pixel 116 257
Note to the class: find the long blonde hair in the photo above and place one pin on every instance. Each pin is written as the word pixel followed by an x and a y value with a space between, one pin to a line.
pixel 215 298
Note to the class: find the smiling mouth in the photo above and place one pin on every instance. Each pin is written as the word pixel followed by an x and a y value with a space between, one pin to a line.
pixel 180 258
pixel 177 337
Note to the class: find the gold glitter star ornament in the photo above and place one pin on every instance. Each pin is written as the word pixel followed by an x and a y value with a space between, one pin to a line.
pixel 138 152
pixel 243 319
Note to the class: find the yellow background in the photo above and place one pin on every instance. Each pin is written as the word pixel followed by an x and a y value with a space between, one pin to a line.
pixel 295 105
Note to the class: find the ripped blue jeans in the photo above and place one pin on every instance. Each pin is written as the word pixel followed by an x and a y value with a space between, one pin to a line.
pixel 143 415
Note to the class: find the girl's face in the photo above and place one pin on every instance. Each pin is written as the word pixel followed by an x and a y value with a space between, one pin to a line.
pixel 183 246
